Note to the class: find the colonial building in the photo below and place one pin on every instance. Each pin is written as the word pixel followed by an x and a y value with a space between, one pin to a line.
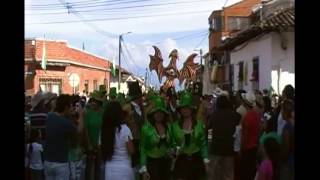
pixel 262 56
pixel 68 69
pixel 222 24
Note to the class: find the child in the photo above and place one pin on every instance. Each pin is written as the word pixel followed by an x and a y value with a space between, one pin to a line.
pixel 34 156
pixel 268 169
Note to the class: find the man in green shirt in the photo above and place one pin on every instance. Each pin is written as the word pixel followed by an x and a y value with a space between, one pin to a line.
pixel 93 122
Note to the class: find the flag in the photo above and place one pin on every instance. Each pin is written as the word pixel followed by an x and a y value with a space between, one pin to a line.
pixel 113 67
pixel 44 58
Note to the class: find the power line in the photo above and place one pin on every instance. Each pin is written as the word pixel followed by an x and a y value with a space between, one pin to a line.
pixel 182 7
pixel 94 4
pixel 94 27
pixel 130 56
pixel 120 18
pixel 206 35
pixel 138 6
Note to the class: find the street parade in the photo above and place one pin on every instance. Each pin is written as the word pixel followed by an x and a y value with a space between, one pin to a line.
pixel 230 117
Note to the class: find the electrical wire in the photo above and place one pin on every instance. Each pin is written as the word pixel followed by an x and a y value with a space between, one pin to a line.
pixel 206 35
pixel 118 18
pixel 139 6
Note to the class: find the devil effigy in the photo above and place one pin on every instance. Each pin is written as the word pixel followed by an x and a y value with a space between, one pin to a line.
pixel 187 73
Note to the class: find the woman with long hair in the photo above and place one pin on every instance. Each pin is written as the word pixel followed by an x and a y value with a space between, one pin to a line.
pixel 116 144
pixel 155 141
pixel 188 137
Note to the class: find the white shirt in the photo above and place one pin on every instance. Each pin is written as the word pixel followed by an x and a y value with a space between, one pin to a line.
pixel 120 145
pixel 281 124
pixel 35 158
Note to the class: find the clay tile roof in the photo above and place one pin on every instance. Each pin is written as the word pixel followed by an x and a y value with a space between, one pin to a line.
pixel 279 20
pixel 59 50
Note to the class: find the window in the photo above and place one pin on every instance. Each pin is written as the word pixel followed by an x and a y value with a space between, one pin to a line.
pixel 216 23
pixel 95 85
pixel 237 23
pixel 241 75
pixel 51 85
pixel 255 73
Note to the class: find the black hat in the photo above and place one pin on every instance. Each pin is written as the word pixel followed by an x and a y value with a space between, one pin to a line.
pixel 134 90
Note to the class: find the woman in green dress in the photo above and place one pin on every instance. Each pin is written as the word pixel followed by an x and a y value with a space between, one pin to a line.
pixel 188 137
pixel 154 144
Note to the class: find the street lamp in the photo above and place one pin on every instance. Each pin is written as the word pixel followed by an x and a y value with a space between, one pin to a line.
pixel 120 39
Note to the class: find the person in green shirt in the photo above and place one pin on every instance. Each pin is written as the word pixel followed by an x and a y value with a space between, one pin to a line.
pixel 188 137
pixel 155 141
pixel 93 122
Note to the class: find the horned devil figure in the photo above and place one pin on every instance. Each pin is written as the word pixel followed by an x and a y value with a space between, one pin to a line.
pixel 188 71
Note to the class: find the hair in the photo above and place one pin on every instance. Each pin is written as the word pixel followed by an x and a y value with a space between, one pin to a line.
pixel 288 92
pixel 223 102
pixel 267 104
pixel 193 115
pixel 272 150
pixel 152 120
pixel 112 120
pixel 265 91
pixel 63 101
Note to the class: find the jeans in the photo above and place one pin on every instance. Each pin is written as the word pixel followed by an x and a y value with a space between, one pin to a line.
pixel 56 171
pixel 37 174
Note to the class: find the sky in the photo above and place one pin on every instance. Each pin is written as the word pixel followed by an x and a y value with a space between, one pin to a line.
pixel 168 24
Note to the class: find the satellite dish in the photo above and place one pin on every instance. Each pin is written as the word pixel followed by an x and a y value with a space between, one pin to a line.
pixel 74 80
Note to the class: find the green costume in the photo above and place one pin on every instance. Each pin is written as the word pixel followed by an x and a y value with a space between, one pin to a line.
pixel 197 142
pixel 151 144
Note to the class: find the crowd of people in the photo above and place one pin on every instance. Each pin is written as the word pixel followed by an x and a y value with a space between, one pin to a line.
pixel 160 135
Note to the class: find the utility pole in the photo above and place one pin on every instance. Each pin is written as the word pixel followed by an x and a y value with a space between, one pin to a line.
pixel 200 50
pixel 119 68
pixel 120 39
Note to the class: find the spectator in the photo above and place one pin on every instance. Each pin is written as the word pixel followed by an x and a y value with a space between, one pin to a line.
pixel 38 114
pixel 287 111
pixel 223 125
pixel 92 124
pixel 117 146
pixel 249 138
pixel 34 156
pixel 56 148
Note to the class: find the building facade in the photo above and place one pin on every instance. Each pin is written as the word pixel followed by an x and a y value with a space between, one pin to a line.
pixel 68 70
pixel 262 56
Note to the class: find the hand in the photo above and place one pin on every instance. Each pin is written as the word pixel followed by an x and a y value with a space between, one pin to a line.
pixel 146 176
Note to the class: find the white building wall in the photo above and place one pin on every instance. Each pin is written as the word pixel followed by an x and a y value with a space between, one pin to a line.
pixel 283 61
pixel 260 47
pixel 274 61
